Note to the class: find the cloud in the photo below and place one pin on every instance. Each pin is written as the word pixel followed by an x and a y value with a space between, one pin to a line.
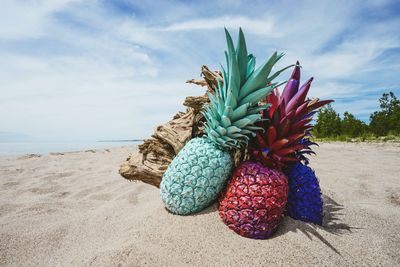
pixel 35 18
pixel 74 70
pixel 263 26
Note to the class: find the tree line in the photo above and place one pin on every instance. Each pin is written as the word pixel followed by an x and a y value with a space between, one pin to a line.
pixel 384 122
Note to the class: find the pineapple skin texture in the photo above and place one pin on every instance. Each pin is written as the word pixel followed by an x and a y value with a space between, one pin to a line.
pixel 304 200
pixel 254 200
pixel 195 177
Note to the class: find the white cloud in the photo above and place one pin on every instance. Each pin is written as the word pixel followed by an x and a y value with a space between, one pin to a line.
pixel 262 26
pixel 26 19
pixel 119 76
pixel 140 34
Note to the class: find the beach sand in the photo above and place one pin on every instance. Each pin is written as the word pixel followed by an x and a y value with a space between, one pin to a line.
pixel 75 209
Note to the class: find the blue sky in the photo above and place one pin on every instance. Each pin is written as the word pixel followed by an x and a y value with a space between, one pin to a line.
pixel 90 70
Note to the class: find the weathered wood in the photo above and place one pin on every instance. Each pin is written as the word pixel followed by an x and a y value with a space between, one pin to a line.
pixel 210 78
pixel 177 131
pixel 149 163
pixel 197 82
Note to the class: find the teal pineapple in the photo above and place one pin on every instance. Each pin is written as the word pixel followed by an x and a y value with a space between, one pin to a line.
pixel 198 173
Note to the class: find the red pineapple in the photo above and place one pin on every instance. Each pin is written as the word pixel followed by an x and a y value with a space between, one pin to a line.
pixel 255 198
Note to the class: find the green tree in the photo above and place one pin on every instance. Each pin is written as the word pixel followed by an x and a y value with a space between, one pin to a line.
pixel 387 120
pixel 328 123
pixel 351 126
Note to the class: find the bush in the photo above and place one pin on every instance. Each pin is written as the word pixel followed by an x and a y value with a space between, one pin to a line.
pixel 353 127
pixel 328 123
pixel 387 120
pixel 384 123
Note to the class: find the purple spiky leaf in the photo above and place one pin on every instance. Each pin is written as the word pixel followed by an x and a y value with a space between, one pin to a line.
pixel 292 85
pixel 299 97
pixel 309 115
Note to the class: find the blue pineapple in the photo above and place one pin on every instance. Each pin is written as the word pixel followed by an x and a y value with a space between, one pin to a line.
pixel 304 200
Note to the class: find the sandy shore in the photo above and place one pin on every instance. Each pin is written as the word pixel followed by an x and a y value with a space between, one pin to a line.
pixel 75 209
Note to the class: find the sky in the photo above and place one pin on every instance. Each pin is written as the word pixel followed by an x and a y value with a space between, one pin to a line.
pixel 105 69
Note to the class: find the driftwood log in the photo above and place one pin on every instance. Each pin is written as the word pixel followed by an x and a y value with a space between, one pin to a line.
pixel 149 163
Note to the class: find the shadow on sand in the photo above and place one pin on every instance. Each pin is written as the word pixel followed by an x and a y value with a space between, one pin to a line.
pixel 332 223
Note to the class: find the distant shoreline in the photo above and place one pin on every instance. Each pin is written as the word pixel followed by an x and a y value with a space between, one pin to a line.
pixel 132 140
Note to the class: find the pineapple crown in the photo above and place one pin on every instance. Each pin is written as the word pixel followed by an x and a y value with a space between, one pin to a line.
pixel 287 124
pixel 234 110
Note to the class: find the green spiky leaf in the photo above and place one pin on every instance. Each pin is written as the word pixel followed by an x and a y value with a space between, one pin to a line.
pixel 233 110
pixel 259 77
pixel 242 58
pixel 254 97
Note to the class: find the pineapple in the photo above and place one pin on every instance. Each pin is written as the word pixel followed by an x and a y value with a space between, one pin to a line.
pixel 304 200
pixel 199 172
pixel 254 201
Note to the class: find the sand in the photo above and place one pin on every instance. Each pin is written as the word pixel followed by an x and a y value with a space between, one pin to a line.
pixel 74 209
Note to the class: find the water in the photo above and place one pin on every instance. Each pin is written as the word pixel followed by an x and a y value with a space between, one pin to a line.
pixel 16 148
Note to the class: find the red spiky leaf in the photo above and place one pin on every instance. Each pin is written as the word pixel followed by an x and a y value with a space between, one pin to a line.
pixel 286 123
pixel 300 124
pixel 273 99
pixel 284 129
pixel 275 118
pixel 302 109
pixel 319 104
pixel 288 116
pixel 295 137
pixel 271 135
pixel 261 140
pixel 289 159
pixel 279 144
pixel 285 151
